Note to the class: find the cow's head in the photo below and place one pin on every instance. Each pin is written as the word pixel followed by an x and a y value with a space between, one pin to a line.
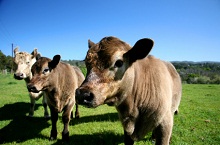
pixel 107 62
pixel 24 62
pixel 42 70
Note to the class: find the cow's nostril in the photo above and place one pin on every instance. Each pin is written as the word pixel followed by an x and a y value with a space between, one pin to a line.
pixel 32 88
pixel 84 96
pixel 88 97
pixel 18 76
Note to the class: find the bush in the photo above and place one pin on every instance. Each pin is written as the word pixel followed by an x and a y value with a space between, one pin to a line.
pixel 215 80
pixel 203 80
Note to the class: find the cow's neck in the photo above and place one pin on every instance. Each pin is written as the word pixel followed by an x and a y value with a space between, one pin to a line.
pixel 126 87
pixel 27 79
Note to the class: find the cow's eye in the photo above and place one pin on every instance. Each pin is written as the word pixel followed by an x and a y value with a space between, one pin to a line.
pixel 46 70
pixel 118 63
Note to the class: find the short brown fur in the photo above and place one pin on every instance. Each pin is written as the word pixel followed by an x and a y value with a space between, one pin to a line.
pixel 59 81
pixel 145 90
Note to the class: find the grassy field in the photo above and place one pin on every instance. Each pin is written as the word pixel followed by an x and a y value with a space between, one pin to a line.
pixel 198 122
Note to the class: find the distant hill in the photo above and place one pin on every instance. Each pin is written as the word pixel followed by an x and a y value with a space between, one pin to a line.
pixel 204 72
pixel 80 63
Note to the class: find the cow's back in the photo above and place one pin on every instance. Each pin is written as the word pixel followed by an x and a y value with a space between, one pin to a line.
pixel 70 77
pixel 177 87
pixel 79 74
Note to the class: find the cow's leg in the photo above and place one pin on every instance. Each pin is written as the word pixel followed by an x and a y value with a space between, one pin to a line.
pixel 54 118
pixel 164 130
pixel 176 112
pixel 77 111
pixel 153 136
pixel 32 105
pixel 66 119
pixel 44 102
pixel 71 115
pixel 127 139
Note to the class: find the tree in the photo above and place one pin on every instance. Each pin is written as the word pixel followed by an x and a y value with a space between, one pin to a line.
pixel 6 62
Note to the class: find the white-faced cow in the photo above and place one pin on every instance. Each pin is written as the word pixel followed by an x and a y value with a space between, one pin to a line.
pixel 145 90
pixel 59 81
pixel 24 62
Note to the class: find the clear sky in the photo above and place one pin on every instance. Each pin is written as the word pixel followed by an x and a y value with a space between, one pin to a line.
pixel 181 29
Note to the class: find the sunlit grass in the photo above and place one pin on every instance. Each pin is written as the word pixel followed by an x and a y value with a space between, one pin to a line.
pixel 197 123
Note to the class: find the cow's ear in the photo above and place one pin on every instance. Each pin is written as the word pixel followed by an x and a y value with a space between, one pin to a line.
pixel 38 56
pixel 15 50
pixel 55 61
pixel 34 53
pixel 90 43
pixel 140 50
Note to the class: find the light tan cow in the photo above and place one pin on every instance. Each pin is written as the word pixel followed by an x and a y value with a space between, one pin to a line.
pixel 145 90
pixel 24 62
pixel 59 81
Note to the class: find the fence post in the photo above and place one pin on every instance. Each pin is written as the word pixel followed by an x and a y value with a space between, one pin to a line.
pixel 4 71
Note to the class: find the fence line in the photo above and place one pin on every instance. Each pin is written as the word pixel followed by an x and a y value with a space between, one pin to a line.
pixel 5 72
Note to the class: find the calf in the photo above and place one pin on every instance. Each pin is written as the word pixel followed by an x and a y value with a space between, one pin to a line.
pixel 145 90
pixel 59 81
pixel 24 62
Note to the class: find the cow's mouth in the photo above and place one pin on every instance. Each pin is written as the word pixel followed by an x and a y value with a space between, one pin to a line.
pixel 32 88
pixel 88 104
pixel 111 101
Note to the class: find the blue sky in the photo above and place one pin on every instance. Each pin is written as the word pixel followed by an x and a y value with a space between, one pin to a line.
pixel 181 29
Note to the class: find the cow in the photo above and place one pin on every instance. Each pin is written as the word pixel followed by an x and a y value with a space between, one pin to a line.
pixel 59 81
pixel 146 91
pixel 24 62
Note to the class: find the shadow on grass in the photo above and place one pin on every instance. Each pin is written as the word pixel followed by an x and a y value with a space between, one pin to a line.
pixel 96 118
pixel 104 138
pixel 20 128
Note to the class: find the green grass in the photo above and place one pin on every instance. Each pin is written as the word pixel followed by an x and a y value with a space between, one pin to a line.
pixel 197 123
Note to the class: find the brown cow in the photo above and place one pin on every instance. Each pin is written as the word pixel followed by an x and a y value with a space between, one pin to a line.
pixel 59 81
pixel 24 62
pixel 145 90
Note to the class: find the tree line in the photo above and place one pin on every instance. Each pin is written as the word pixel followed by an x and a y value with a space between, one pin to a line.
pixel 6 62
pixel 190 72
pixel 198 72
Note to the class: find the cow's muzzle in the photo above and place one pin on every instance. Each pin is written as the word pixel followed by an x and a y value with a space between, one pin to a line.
pixel 85 97
pixel 19 76
pixel 32 88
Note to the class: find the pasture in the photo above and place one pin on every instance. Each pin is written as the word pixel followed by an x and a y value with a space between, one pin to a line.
pixel 197 123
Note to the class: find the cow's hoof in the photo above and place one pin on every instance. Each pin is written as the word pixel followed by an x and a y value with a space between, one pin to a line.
pixel 176 112
pixel 53 135
pixel 77 116
pixel 65 136
pixel 52 138
pixel 30 116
